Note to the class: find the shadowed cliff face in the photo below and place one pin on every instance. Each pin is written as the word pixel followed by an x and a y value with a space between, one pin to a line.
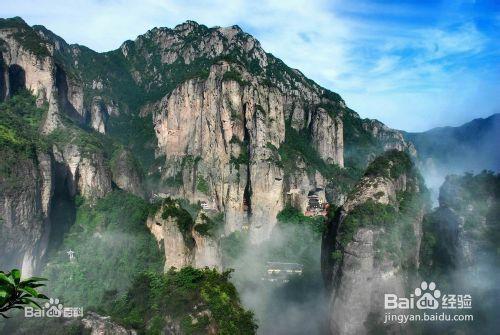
pixel 371 242
pixel 460 246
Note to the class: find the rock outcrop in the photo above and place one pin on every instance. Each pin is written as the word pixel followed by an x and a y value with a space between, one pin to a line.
pixel 126 173
pixel 103 325
pixel 86 174
pixel 206 127
pixel 186 242
pixel 463 223
pixel 368 242
pixel 25 202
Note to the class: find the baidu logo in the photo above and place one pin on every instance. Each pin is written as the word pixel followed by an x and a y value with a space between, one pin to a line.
pixel 53 309
pixel 427 296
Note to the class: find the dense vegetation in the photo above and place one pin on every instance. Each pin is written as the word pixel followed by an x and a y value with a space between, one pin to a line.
pixel 195 299
pixel 20 143
pixel 390 164
pixel 172 209
pixel 111 244
pixel 19 122
pixel 25 36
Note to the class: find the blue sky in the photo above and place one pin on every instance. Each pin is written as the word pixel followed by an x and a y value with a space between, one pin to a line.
pixel 411 64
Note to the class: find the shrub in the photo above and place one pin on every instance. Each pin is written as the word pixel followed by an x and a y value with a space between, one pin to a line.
pixel 180 294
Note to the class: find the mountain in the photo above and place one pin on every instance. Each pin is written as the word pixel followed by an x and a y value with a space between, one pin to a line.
pixel 371 244
pixel 471 146
pixel 201 113
pixel 460 246
pixel 454 150
pixel 155 154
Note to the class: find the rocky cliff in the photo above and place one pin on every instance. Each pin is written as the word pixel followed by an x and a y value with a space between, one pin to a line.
pixel 369 242
pixel 25 203
pixel 186 242
pixel 207 113
pixel 460 245
pixel 459 233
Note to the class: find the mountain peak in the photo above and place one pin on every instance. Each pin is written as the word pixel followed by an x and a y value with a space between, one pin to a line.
pixel 188 25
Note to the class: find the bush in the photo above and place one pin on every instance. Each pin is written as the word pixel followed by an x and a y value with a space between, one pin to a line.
pixel 390 164
pixel 235 76
pixel 202 185
pixel 181 295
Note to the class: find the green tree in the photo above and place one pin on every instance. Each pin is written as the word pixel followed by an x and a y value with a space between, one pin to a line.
pixel 16 293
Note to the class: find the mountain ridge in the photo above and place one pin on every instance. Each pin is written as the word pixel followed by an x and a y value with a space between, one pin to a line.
pixel 208 115
pixel 469 146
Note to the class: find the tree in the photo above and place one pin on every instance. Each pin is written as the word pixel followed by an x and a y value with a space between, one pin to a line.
pixel 16 293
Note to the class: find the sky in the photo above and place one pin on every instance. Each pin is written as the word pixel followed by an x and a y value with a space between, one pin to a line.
pixel 413 65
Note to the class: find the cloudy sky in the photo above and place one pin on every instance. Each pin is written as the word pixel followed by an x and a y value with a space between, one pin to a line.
pixel 411 64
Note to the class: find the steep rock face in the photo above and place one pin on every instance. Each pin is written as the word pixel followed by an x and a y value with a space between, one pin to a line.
pixel 207 249
pixel 328 137
pixel 227 131
pixel 98 115
pixel 126 173
pixel 464 223
pixel 168 234
pixel 361 261
pixel 186 247
pixel 24 213
pixel 22 68
pixel 94 177
pixel 86 174
pixel 102 325
pixel 390 138
pixel 26 70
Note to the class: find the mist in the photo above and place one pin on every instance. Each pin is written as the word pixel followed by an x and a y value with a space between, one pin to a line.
pixel 299 306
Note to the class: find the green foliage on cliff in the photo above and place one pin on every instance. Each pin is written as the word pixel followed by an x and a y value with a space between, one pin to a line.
pixel 369 213
pixel 211 225
pixel 19 139
pixel 390 164
pixel 291 215
pixel 172 209
pixel 137 134
pixel 396 222
pixel 111 243
pixel 235 76
pixel 19 122
pixel 297 148
pixel 195 299
pixel 26 36
pixel 202 185
pixel 398 241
